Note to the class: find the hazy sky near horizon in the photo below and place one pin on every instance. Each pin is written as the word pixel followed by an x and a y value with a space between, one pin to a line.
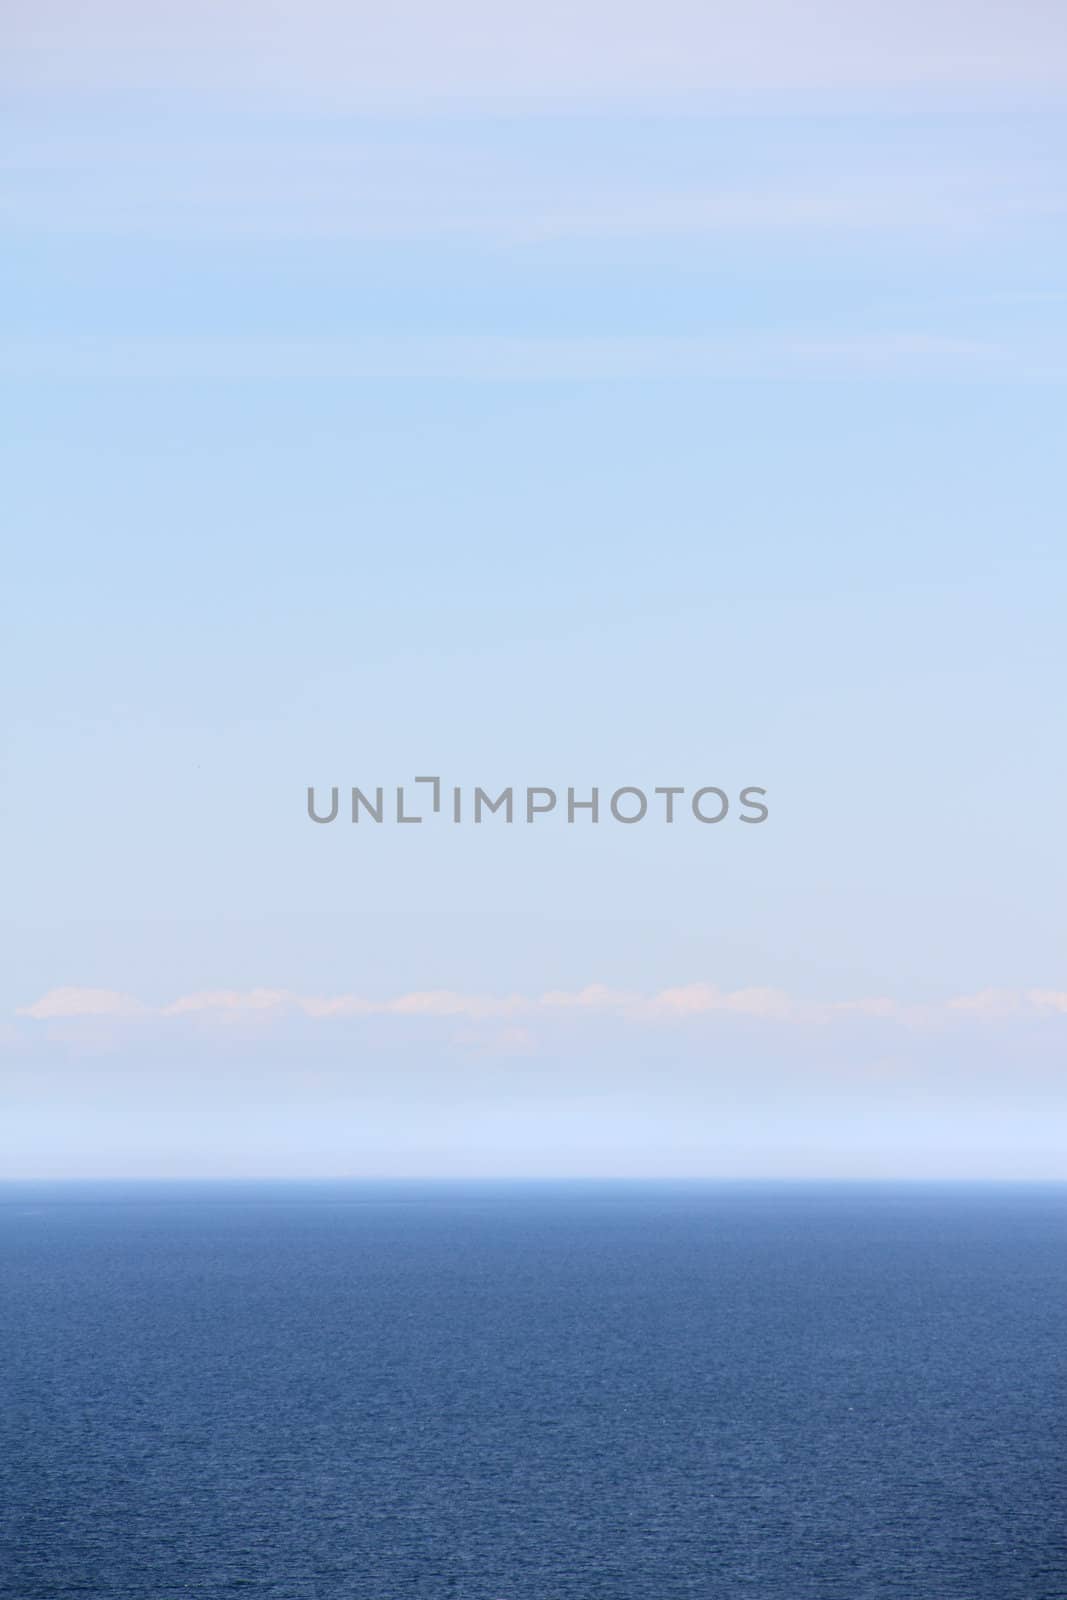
pixel 533 396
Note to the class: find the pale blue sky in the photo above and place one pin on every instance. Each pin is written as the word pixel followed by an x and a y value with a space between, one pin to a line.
pixel 554 401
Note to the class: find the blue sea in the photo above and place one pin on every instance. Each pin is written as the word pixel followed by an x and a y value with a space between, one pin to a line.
pixel 460 1391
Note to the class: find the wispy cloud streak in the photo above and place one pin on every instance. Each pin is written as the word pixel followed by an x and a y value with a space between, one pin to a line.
pixel 681 1004
pixel 493 358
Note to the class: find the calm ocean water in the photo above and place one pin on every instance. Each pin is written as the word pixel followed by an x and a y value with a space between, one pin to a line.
pixel 553 1392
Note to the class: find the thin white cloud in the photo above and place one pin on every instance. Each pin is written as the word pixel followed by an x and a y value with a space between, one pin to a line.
pixel 1048 999
pixel 493 358
pixel 700 999
pixel 516 186
pixel 594 997
pixel 446 1003
pixel 994 1005
pixel 397 189
pixel 676 1005
pixel 63 1003
pixel 246 1003
pixel 988 1005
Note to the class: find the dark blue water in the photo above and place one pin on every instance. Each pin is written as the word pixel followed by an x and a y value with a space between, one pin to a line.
pixel 550 1393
